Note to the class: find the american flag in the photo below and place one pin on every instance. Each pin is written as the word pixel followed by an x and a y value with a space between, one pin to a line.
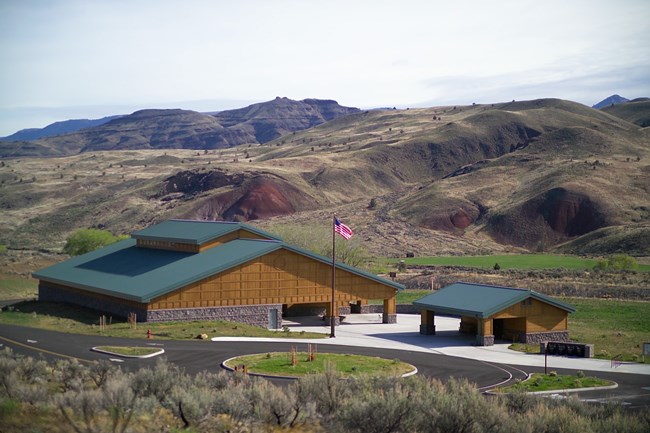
pixel 342 229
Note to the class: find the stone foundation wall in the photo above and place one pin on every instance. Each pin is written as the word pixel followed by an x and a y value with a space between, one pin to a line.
pixel 257 315
pixel 539 337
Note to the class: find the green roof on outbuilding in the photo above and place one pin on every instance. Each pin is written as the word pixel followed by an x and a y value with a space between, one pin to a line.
pixel 194 232
pixel 142 274
pixel 481 300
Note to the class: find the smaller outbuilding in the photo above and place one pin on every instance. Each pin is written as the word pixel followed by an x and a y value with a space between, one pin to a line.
pixel 504 313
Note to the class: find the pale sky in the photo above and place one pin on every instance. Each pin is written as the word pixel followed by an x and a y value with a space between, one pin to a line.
pixel 90 58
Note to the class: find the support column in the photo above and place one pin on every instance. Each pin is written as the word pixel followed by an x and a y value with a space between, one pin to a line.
pixel 390 310
pixel 427 322
pixel 484 335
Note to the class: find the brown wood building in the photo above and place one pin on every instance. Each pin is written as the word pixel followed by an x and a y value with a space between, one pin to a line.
pixel 189 270
pixel 503 313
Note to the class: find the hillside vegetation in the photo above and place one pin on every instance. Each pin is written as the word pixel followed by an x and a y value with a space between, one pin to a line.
pixel 519 176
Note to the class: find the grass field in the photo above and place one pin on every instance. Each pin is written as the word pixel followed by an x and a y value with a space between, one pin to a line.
pixel 66 318
pixel 17 288
pixel 509 261
pixel 614 327
pixel 279 364
pixel 549 382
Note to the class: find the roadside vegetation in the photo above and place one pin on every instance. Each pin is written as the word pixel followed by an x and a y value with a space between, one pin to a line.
pixel 553 381
pixel 66 396
pixel 69 318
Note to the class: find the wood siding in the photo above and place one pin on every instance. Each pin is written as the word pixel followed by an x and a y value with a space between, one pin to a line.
pixel 280 277
pixel 239 234
pixel 92 295
pixel 540 316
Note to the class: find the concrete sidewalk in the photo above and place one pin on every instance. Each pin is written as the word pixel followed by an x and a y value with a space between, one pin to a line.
pixel 366 330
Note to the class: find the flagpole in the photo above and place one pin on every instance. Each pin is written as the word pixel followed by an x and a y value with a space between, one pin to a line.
pixel 332 320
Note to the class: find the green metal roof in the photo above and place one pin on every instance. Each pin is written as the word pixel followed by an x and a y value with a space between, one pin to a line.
pixel 194 232
pixel 480 300
pixel 140 274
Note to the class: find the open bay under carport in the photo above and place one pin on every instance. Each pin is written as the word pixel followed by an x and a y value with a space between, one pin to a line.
pixel 504 313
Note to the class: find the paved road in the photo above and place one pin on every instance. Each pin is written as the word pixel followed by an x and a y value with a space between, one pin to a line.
pixel 195 356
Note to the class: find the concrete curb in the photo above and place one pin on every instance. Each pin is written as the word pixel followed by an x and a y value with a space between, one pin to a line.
pixel 151 355
pixel 272 376
pixel 558 391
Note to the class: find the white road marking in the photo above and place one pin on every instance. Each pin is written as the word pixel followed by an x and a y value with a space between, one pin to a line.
pixel 32 341
pixel 115 360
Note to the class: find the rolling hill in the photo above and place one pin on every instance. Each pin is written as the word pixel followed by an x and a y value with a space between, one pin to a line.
pixel 185 129
pixel 518 176
pixel 636 111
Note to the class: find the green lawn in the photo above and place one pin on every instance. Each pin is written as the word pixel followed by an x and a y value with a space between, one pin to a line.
pixel 509 261
pixel 67 318
pixel 279 364
pixel 550 382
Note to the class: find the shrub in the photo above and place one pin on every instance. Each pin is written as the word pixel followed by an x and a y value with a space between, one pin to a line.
pixel 86 240
pixel 617 262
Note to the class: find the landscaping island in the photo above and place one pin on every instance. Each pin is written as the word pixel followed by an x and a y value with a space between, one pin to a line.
pixel 541 383
pixel 298 364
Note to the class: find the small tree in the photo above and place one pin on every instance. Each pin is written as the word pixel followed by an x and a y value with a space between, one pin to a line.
pixel 497 267
pixel 86 240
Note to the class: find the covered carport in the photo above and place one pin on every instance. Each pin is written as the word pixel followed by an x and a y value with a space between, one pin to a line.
pixel 504 313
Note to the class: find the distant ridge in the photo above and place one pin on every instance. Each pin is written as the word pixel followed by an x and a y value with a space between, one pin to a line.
pixel 611 100
pixel 185 129
pixel 57 128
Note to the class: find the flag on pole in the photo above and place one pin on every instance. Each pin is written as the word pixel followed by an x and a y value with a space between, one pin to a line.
pixel 342 229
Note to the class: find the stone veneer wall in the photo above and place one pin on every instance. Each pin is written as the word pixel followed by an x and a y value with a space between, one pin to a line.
pixel 485 340
pixel 539 337
pixel 257 315
pixel 48 293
